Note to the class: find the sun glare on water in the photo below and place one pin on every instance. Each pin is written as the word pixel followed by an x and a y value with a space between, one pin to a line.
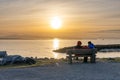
pixel 56 22
pixel 55 46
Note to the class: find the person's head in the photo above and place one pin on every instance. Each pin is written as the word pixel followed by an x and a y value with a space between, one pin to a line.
pixel 89 42
pixel 79 43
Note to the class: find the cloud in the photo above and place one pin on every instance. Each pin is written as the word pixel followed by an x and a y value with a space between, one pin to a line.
pixel 107 31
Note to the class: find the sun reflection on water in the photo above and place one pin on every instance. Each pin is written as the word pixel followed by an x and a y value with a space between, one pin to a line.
pixel 55 46
pixel 55 43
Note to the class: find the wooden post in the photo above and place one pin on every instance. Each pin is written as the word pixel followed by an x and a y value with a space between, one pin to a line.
pixel 70 58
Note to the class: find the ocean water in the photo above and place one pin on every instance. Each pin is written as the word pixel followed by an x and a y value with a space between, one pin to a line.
pixel 43 48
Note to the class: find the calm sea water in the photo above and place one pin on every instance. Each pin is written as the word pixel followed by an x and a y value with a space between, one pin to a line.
pixel 43 48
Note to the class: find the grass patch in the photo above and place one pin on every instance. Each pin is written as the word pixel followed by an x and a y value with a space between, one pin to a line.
pixel 52 61
pixel 39 62
pixel 117 59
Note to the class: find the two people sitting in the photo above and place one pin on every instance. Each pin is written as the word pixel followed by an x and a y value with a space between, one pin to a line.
pixel 79 45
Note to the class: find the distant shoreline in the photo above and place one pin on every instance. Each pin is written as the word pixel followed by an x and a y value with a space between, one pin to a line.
pixel 99 47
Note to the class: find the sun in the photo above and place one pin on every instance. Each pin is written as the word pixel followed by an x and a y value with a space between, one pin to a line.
pixel 56 22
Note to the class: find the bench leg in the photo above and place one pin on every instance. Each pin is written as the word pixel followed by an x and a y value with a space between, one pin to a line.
pixel 70 59
pixel 93 59
pixel 76 58
pixel 85 59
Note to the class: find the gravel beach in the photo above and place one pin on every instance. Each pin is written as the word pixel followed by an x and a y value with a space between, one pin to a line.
pixel 64 71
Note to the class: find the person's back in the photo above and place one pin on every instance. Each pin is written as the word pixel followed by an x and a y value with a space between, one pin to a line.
pixel 91 45
pixel 78 46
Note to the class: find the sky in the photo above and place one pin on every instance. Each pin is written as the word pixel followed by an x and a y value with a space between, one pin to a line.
pixel 81 19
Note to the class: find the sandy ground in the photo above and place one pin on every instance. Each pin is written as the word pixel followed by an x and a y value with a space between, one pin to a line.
pixel 64 71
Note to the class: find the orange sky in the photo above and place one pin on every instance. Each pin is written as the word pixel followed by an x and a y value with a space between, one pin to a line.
pixel 30 19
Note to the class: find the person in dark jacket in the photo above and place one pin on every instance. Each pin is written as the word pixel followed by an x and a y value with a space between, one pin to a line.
pixel 79 45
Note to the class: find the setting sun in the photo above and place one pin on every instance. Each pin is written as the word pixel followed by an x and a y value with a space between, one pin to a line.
pixel 56 22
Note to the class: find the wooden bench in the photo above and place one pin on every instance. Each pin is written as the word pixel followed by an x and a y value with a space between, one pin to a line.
pixel 71 53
